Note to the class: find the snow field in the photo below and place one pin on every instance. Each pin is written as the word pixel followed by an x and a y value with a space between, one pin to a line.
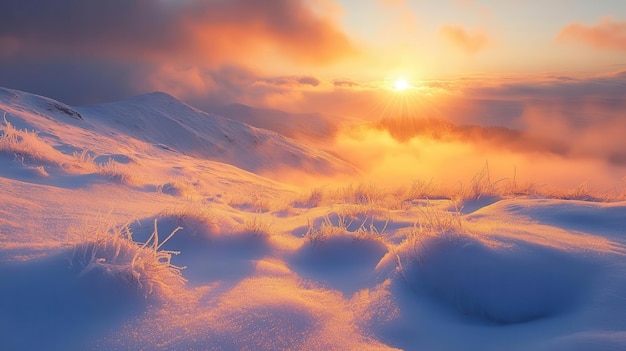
pixel 93 258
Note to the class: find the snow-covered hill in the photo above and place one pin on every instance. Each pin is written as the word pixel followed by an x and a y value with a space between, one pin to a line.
pixel 313 128
pixel 162 120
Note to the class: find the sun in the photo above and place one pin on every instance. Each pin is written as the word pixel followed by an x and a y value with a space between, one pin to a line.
pixel 401 84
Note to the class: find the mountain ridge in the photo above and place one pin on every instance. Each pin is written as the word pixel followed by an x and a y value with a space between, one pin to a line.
pixel 162 120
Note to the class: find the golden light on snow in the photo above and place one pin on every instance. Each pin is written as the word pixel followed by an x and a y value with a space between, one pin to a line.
pixel 271 265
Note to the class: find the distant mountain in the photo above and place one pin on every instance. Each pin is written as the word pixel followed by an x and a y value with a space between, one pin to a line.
pixel 310 127
pixel 166 122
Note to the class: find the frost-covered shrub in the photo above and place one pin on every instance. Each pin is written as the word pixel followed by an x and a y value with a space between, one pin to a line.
pixel 27 146
pixel 117 172
pixel 143 265
pixel 340 223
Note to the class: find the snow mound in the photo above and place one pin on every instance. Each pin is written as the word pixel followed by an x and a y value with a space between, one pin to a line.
pixel 45 303
pixel 598 340
pixel 209 253
pixel 503 284
pixel 344 261
pixel 591 217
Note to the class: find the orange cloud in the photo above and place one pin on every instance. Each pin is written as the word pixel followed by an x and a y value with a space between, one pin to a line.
pixel 207 32
pixel 466 40
pixel 606 34
pixel 244 27
pixel 188 48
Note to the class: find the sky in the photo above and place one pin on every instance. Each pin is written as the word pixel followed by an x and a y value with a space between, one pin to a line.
pixel 459 37
pixel 536 77
pixel 263 52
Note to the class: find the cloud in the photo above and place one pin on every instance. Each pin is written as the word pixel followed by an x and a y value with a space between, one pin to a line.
pixel 345 83
pixel 183 47
pixel 75 80
pixel 546 126
pixel 192 30
pixel 453 163
pixel 290 81
pixel 576 117
pixel 228 84
pixel 606 34
pixel 464 39
pixel 405 129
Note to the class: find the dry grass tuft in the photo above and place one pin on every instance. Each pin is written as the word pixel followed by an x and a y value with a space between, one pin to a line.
pixel 27 147
pixel 143 265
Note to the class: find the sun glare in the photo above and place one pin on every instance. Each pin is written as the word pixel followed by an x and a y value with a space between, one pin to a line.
pixel 401 84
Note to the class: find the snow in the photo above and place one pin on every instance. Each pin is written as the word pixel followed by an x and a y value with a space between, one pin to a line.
pixel 315 128
pixel 87 261
pixel 161 119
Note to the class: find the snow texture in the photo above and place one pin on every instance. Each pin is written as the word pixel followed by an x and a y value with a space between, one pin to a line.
pixel 146 224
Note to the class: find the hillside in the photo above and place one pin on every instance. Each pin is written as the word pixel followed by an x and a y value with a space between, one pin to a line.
pixel 161 120
pixel 309 127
